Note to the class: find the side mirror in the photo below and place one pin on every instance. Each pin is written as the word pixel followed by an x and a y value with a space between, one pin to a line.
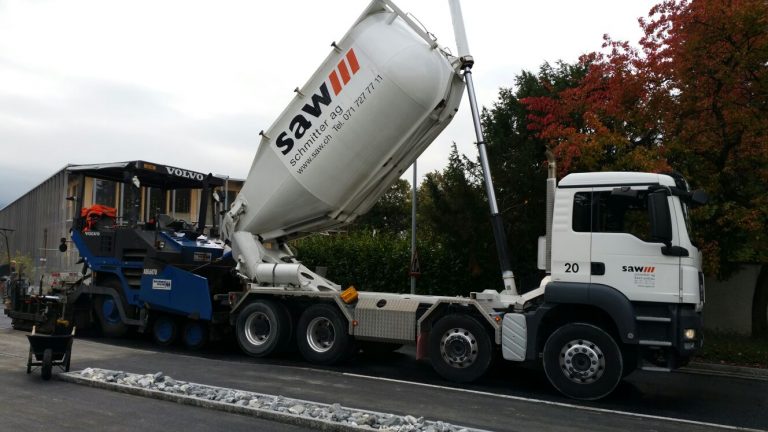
pixel 63 245
pixel 136 182
pixel 699 197
pixel 216 196
pixel 661 223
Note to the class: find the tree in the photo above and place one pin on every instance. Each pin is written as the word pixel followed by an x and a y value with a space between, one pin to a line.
pixel 518 163
pixel 391 213
pixel 606 121
pixel 454 213
pixel 693 98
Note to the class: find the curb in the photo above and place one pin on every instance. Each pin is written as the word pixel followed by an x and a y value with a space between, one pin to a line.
pixel 726 370
pixel 308 422
pixel 266 414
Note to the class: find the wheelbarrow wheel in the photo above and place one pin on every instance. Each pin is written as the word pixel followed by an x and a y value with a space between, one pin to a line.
pixel 47 364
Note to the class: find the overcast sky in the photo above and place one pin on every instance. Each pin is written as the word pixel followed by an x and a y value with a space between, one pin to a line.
pixel 191 83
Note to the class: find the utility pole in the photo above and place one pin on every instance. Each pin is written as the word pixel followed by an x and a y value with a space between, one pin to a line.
pixel 414 258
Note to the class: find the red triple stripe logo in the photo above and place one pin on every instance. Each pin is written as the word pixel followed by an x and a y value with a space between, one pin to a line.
pixel 347 67
pixel 649 269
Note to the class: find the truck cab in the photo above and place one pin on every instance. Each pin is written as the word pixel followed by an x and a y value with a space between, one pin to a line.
pixel 622 260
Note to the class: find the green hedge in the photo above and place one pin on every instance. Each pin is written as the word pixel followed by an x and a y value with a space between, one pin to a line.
pixel 380 262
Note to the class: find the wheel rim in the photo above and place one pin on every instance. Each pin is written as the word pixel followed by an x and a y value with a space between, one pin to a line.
pixel 458 347
pixel 257 328
pixel 320 334
pixel 582 361
pixel 164 329
pixel 193 334
pixel 110 312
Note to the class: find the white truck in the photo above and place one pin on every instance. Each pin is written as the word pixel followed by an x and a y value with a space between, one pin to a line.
pixel 623 290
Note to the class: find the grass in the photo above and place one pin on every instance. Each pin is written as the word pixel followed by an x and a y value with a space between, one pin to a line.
pixel 734 349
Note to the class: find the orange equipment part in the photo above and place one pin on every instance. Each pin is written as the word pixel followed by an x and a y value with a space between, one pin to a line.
pixel 94 213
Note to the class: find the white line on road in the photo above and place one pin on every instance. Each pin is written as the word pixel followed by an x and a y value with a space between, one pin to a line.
pixel 559 404
pixel 2 354
pixel 723 374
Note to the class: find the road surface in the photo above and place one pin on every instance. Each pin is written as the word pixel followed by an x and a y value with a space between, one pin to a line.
pixel 510 398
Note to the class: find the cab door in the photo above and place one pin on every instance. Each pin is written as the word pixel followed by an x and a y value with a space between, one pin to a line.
pixel 571 241
pixel 624 255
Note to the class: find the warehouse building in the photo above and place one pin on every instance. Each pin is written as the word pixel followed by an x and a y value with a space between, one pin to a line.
pixel 36 222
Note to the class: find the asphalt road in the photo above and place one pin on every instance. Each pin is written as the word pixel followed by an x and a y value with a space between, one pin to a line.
pixel 30 404
pixel 508 399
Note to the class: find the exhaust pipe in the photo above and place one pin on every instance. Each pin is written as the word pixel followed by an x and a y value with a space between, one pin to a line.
pixel 551 185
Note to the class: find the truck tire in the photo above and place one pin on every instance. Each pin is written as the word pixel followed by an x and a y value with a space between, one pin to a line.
pixel 165 330
pixel 109 317
pixel 47 368
pixel 322 335
pixel 459 348
pixel 583 361
pixel 263 328
pixel 194 335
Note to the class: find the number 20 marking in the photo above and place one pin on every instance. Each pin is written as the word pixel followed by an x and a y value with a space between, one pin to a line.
pixel 571 267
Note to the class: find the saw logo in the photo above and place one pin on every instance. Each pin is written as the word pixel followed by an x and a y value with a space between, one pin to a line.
pixel 638 269
pixel 300 124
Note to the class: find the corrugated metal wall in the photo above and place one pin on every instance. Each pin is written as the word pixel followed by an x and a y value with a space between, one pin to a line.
pixel 40 219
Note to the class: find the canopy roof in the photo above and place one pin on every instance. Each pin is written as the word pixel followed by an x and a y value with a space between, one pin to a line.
pixel 149 174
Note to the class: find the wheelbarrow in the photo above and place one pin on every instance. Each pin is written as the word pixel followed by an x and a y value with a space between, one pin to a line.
pixel 47 351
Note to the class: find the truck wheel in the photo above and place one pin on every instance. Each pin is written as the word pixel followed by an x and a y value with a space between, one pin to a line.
pixel 47 368
pixel 263 328
pixel 165 330
pixel 459 348
pixel 322 335
pixel 583 361
pixel 194 335
pixel 109 317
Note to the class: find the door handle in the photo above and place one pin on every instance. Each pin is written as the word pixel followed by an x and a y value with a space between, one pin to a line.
pixel 597 269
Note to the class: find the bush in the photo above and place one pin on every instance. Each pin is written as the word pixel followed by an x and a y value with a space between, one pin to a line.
pixel 380 262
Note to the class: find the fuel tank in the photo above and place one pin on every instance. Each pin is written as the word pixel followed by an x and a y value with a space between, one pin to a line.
pixel 382 95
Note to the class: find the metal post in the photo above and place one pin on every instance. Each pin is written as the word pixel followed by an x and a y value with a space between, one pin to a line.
pixel 226 194
pixel 413 227
pixel 496 221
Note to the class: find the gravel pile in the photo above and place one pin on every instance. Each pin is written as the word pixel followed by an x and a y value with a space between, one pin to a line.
pixel 334 413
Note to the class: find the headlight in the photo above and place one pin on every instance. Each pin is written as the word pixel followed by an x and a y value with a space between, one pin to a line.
pixel 690 334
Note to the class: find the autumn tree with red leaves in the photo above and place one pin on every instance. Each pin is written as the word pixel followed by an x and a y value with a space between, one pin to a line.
pixel 692 98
